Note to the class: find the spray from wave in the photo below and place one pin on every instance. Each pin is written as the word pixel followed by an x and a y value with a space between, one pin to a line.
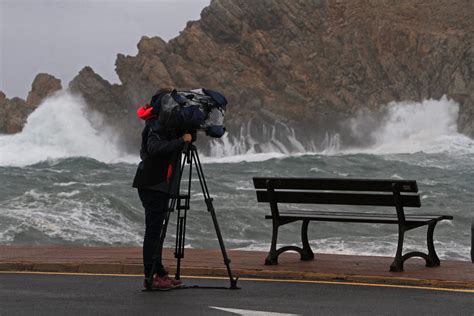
pixel 61 128
pixel 409 127
pixel 253 143
pixel 399 128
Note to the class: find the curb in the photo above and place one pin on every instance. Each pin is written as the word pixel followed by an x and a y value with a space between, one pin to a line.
pixel 136 269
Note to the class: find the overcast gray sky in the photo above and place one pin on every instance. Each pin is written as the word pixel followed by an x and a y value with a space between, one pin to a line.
pixel 62 36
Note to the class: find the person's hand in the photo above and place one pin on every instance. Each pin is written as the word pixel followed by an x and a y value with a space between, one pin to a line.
pixel 187 138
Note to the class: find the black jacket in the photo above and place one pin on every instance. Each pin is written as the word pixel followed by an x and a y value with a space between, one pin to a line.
pixel 160 153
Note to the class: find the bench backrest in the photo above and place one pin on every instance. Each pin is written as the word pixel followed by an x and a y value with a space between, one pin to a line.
pixel 397 193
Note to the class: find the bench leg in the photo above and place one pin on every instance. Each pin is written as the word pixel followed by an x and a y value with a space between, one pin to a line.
pixel 433 260
pixel 307 253
pixel 272 257
pixel 397 265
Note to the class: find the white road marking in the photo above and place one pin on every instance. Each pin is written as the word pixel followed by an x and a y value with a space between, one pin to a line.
pixel 249 312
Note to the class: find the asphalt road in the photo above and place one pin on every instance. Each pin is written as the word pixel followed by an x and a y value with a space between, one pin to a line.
pixel 37 294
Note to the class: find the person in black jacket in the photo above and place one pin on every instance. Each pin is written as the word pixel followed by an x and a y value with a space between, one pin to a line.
pixel 156 178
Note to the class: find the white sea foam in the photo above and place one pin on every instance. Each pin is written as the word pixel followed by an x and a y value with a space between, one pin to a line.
pixel 102 184
pixel 64 184
pixel 59 128
pixel 276 139
pixel 65 217
pixel 409 127
pixel 244 188
pixel 369 246
pixel 69 194
pixel 429 126
pixel 35 195
pixel 244 158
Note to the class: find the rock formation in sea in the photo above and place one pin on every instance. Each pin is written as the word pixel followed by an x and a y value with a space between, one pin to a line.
pixel 15 111
pixel 305 64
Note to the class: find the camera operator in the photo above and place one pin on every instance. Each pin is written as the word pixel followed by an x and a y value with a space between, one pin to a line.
pixel 156 179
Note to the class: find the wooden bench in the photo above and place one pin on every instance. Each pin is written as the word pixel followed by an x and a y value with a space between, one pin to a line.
pixel 394 193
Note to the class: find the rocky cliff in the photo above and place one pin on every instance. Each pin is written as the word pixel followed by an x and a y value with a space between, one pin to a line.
pixel 14 112
pixel 305 64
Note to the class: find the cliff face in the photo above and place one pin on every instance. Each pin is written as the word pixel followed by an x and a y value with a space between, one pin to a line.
pixel 307 64
pixel 14 112
pixel 110 101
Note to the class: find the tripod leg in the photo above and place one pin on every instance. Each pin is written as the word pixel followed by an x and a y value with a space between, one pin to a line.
pixel 180 237
pixel 182 214
pixel 171 207
pixel 210 208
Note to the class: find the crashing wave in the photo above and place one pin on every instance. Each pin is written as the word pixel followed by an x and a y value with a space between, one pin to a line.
pixel 62 127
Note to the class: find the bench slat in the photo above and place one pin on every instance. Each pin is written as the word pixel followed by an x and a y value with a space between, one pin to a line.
pixel 360 214
pixel 358 218
pixel 382 185
pixel 339 198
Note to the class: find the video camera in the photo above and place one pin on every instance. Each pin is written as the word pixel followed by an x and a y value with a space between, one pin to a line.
pixel 194 110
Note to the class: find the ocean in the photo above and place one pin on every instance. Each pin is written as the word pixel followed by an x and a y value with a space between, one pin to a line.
pixel 65 181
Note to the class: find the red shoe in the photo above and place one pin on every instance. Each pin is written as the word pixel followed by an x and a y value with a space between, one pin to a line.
pixel 174 282
pixel 159 284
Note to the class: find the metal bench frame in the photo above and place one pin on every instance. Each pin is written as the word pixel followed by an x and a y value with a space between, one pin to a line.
pixel 404 193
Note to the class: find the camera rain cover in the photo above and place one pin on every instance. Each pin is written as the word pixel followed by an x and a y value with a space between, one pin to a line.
pixel 198 109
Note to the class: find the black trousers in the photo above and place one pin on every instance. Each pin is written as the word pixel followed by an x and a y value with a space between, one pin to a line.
pixel 156 209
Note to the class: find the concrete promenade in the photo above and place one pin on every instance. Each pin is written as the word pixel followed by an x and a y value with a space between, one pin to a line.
pixel 209 262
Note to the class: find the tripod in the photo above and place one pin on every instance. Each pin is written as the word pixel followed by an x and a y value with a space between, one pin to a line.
pixel 189 156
